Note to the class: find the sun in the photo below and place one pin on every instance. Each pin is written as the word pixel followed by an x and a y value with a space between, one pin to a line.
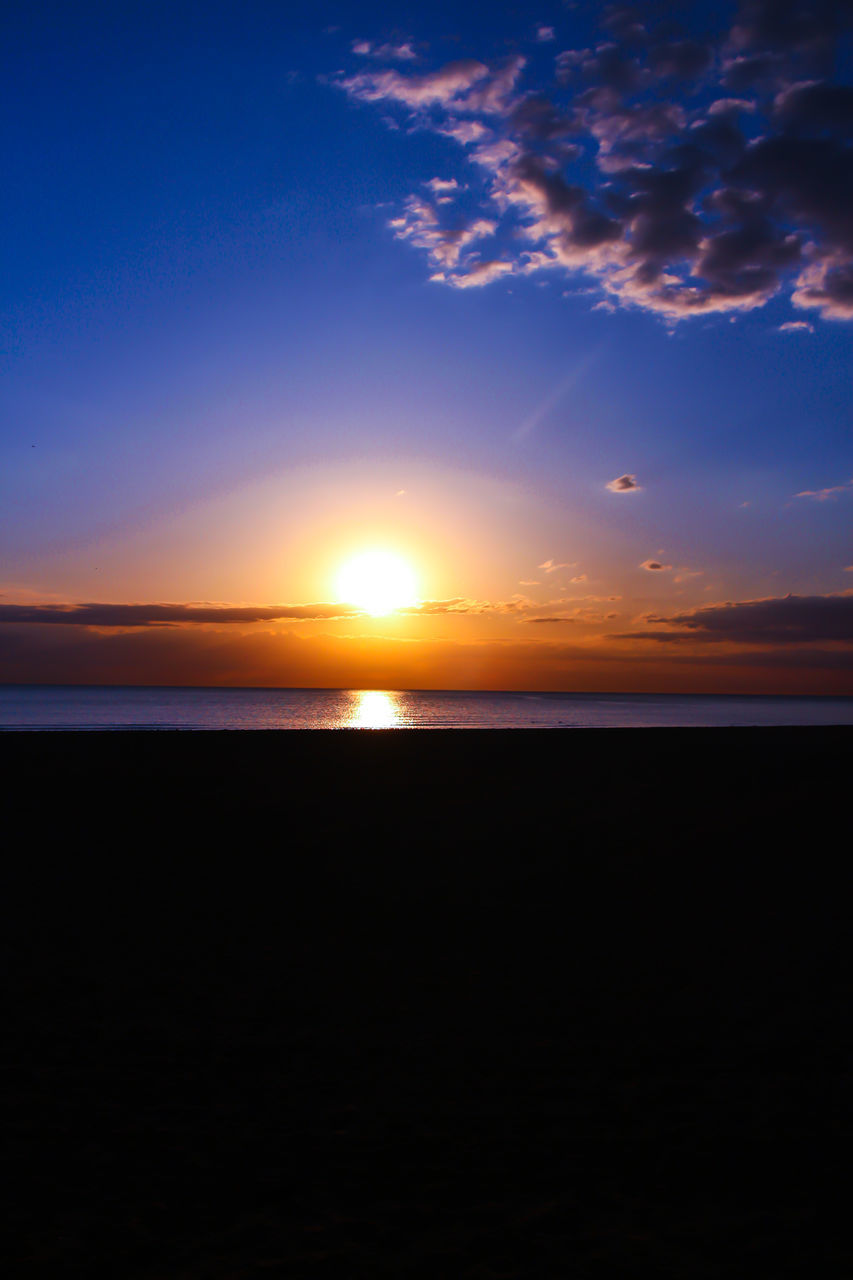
pixel 376 581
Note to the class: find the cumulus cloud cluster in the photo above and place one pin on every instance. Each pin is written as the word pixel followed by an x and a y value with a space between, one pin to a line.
pixel 683 175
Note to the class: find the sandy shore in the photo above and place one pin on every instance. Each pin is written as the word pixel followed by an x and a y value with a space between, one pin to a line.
pixel 425 1004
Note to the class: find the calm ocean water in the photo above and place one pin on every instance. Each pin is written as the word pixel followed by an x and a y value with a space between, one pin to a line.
pixel 79 707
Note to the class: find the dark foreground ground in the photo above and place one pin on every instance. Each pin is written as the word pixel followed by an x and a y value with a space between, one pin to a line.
pixel 464 1004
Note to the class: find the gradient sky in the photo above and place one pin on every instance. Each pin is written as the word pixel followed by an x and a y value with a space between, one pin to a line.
pixel 555 301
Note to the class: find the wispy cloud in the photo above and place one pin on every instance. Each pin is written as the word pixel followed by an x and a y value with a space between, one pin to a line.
pixel 421 224
pixel 476 274
pixel 446 86
pixel 823 495
pixel 551 566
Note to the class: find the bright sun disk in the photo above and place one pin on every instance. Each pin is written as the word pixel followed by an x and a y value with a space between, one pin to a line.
pixel 377 581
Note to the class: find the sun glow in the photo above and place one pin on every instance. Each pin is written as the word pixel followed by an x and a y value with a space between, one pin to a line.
pixel 377 581
pixel 375 710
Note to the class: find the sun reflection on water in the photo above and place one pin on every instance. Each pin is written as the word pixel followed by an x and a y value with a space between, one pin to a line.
pixel 375 710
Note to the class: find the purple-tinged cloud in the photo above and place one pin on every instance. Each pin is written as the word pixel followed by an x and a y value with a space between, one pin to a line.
pixel 385 52
pixel 776 620
pixel 824 495
pixel 444 86
pixel 477 274
pixel 445 244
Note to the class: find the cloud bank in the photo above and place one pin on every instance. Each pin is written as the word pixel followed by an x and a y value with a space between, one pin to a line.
pixel 781 620
pixel 682 175
pixel 159 615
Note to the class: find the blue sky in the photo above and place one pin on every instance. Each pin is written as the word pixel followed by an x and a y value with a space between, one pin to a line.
pixel 263 307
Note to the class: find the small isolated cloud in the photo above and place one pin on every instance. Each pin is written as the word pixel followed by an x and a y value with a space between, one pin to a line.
pixel 581 577
pixel 529 582
pixel 551 566
pixel 623 484
pixel 684 574
pixel 823 495
pixel 848 568
pixel 796 326
pixel 655 566
pixel 387 52
pixel 545 34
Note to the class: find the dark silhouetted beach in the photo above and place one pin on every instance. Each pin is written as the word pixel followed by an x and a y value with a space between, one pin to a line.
pixel 428 1004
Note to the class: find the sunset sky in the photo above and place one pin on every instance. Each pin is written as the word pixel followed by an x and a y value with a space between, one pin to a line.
pixel 552 303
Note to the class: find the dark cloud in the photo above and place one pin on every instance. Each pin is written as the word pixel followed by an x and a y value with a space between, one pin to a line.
pixel 808 181
pixel 624 21
pixel 817 105
pixel 806 27
pixel 158 615
pixel 566 207
pixel 611 67
pixel 751 71
pixel 536 117
pixel 680 58
pixel 778 620
pixel 655 566
pixel 624 172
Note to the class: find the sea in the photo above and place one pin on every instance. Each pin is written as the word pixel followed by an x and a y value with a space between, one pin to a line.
pixel 58 707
